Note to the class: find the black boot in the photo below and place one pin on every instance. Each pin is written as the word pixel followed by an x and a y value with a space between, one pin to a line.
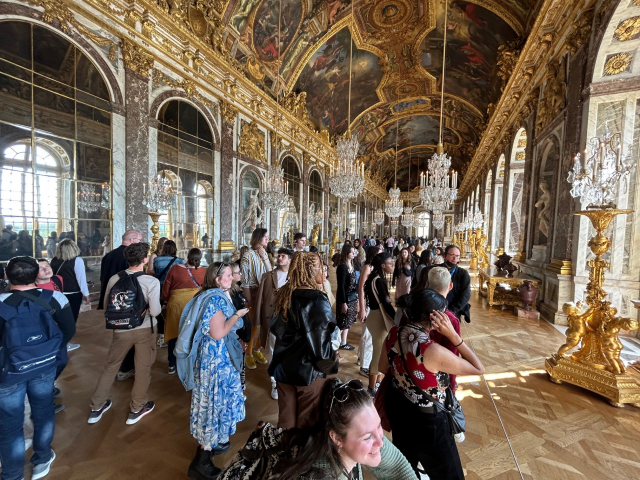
pixel 201 467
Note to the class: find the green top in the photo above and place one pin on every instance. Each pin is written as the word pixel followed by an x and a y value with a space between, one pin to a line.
pixel 393 465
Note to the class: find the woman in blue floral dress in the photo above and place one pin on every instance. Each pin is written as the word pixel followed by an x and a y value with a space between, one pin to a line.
pixel 217 403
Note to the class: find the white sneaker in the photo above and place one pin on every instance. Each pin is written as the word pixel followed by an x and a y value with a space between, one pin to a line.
pixel 160 340
pixel 72 346
pixel 459 437
pixel 274 391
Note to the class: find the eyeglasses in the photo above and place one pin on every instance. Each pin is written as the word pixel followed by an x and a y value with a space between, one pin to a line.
pixel 452 255
pixel 222 265
pixel 341 392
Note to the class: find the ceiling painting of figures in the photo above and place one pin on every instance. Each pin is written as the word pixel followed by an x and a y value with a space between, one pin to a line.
pixel 325 78
pixel 418 130
pixel 267 44
pixel 473 37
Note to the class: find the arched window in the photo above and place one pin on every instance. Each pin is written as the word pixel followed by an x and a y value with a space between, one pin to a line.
pixel 185 148
pixel 55 144
pixel 487 200
pixel 292 177
pixel 251 205
pixel 497 204
pixel 513 217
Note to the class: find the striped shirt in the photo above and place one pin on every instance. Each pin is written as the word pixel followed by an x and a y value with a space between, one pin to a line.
pixel 253 267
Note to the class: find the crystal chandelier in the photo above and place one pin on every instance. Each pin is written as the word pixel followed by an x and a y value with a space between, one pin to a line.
pixel 334 218
pixel 477 220
pixel 159 196
pixel 347 180
pixel 393 224
pixel 318 217
pixel 438 220
pixel 106 196
pixel 408 219
pixel 597 179
pixel 393 205
pixel 88 198
pixel 275 189
pixel 422 221
pixel 378 217
pixel 438 189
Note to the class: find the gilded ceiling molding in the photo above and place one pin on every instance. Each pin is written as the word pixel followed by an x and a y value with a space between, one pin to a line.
pixel 228 112
pixel 552 26
pixel 504 14
pixel 136 58
pixel 580 31
pixel 187 85
pixel 56 10
pixel 628 29
pixel 252 142
pixel 617 63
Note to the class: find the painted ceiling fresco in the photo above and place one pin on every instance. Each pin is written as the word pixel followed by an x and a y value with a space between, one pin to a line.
pixel 325 78
pixel 397 62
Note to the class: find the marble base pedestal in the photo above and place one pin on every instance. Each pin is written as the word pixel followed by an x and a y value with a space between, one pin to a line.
pixel 526 314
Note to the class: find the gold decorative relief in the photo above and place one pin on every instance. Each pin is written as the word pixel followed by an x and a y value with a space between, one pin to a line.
pixel 553 98
pixel 580 31
pixel 628 29
pixel 136 58
pixel 507 60
pixel 522 143
pixel 132 17
pixel 228 112
pixel 255 69
pixel 617 63
pixel 198 22
pixel 520 156
pixel 252 142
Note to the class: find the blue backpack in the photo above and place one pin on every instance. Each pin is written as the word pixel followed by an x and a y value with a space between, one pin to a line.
pixel 31 338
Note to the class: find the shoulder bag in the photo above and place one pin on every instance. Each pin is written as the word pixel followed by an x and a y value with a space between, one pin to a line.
pixel 453 409
pixel 388 321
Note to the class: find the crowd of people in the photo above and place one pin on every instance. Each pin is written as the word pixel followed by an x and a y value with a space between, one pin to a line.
pixel 266 305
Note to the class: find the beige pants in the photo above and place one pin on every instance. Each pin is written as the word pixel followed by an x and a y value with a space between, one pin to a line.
pixel 379 332
pixel 145 341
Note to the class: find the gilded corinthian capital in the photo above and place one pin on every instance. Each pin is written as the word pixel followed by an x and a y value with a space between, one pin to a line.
pixel 136 58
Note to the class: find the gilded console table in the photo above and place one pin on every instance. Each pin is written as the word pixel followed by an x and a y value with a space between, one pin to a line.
pixel 492 277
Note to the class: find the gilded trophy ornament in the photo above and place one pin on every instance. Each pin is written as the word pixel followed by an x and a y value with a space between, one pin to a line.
pixel 228 112
pixel 628 29
pixel 252 142
pixel 618 63
pixel 596 366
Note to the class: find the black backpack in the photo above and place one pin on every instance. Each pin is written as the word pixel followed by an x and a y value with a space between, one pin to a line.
pixel 126 305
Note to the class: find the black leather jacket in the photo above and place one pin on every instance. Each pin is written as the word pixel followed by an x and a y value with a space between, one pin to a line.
pixel 303 343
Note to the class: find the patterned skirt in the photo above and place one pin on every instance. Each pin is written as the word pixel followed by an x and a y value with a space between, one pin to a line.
pixel 345 320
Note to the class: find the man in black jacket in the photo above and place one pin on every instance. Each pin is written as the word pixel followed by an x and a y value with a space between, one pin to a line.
pixel 459 295
pixel 114 261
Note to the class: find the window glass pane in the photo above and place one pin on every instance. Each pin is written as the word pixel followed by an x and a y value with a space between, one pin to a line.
pixel 88 77
pixel 167 149
pixel 15 42
pixel 205 160
pixel 16 101
pixel 54 113
pixel 188 119
pixel 47 196
pixel 187 156
pixel 14 70
pixel 54 156
pixel 94 126
pixel 94 164
pixel 53 56
pixel 57 87
pixel 188 180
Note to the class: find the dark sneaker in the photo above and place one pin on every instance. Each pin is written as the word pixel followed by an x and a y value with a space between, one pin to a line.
pixel 346 346
pixel 134 417
pixel 364 372
pixel 96 415
pixel 221 448
pixel 172 370
pixel 58 407
pixel 121 376
pixel 56 392
pixel 42 469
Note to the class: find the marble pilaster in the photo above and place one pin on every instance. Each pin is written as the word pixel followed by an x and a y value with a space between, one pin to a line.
pixel 119 179
pixel 137 150
pixel 273 215
pixel 304 185
pixel 227 155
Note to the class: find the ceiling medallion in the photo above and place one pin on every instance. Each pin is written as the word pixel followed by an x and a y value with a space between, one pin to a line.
pixel 386 15
pixel 628 29
pixel 617 63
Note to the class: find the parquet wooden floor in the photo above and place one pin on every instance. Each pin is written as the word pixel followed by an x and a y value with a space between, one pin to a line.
pixel 556 431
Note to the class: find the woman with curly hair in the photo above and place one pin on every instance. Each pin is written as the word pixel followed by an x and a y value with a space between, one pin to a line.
pixel 302 357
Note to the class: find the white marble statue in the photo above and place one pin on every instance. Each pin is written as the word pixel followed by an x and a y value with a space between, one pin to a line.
pixel 544 203
pixel 252 216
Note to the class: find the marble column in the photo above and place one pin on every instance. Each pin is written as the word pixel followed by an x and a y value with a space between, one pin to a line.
pixel 119 182
pixel 527 197
pixel 273 214
pixel 227 157
pixel 136 149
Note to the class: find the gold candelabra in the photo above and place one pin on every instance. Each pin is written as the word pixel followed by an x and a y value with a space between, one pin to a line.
pixel 473 246
pixel 334 242
pixel 155 229
pixel 315 232
pixel 596 366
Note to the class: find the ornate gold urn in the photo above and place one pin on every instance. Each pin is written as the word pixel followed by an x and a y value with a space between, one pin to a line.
pixel 155 229
pixel 596 366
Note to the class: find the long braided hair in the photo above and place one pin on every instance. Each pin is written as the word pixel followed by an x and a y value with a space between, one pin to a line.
pixel 301 274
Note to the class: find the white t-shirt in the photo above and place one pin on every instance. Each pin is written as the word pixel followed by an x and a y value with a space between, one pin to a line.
pixel 282 278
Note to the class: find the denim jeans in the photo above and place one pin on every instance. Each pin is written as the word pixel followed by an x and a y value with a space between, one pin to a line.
pixel 40 393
